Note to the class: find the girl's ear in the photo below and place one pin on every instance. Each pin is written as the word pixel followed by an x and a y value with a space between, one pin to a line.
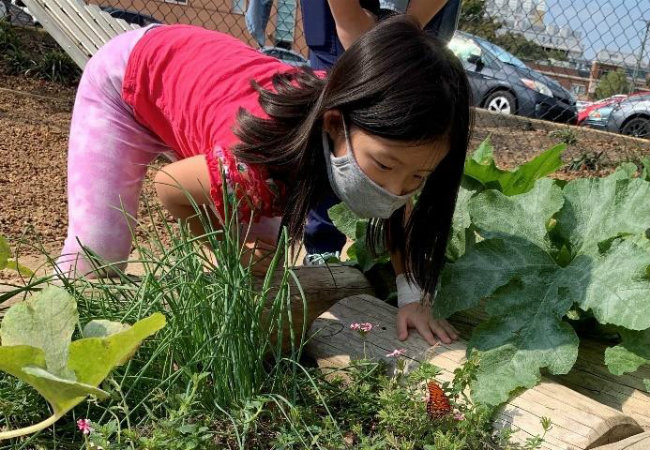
pixel 332 123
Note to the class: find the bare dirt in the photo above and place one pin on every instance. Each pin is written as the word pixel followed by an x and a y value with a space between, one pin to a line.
pixel 35 118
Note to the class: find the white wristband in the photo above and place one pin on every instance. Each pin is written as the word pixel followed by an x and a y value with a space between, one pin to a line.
pixel 406 292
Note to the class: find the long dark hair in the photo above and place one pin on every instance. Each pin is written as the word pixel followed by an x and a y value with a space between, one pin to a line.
pixel 395 82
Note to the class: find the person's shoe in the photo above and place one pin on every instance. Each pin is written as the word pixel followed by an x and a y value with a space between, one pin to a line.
pixel 319 259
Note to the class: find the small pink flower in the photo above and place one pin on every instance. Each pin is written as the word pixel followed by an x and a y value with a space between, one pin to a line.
pixel 459 416
pixel 396 353
pixel 363 328
pixel 84 426
pixel 366 327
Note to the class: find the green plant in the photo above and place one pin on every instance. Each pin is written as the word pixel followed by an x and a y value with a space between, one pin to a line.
pixel 541 253
pixel 6 262
pixel 612 83
pixel 57 66
pixel 36 348
pixel 587 161
pixel 566 135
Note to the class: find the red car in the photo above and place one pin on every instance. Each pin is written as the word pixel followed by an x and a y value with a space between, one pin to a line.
pixel 614 99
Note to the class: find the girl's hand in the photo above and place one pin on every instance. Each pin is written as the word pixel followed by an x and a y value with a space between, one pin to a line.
pixel 415 315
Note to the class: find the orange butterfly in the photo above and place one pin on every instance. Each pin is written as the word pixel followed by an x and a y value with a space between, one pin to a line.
pixel 437 402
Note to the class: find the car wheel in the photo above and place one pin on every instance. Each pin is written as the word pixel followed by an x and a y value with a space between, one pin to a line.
pixel 501 101
pixel 637 127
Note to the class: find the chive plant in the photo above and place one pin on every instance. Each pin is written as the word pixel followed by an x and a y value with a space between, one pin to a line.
pixel 221 320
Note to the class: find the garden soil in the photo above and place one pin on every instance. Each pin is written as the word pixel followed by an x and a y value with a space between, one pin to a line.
pixel 34 125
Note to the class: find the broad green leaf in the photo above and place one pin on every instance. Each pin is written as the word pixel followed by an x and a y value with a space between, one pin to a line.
pixel 5 253
pixel 355 228
pixel 630 354
pixel 482 168
pixel 646 383
pixel 614 285
pixel 490 264
pixel 102 328
pixel 92 359
pixel 460 236
pixel 344 219
pixel 598 209
pixel 523 216
pixel 645 172
pixel 484 153
pixel 626 170
pixel 26 354
pixel 23 270
pixel 522 337
pixel 46 321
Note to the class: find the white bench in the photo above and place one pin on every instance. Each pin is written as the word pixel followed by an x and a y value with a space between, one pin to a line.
pixel 78 28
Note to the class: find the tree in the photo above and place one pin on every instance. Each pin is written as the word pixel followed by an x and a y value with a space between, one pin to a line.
pixel 474 20
pixel 518 45
pixel 613 83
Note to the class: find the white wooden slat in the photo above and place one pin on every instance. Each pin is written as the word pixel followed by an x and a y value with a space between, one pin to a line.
pixel 69 26
pixel 72 10
pixel 105 20
pixel 122 24
pixel 84 15
pixel 51 25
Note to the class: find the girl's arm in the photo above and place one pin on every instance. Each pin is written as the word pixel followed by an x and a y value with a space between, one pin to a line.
pixel 176 181
pixel 351 20
pixel 193 176
pixel 414 314
pixel 425 10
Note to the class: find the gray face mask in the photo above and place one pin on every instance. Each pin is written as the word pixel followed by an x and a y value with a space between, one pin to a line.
pixel 354 188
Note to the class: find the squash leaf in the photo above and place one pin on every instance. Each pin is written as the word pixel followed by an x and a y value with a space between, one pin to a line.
pixel 36 348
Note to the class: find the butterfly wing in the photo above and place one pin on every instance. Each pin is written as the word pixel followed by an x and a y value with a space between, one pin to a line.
pixel 438 403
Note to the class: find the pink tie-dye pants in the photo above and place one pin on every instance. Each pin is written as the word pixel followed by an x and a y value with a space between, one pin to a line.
pixel 108 154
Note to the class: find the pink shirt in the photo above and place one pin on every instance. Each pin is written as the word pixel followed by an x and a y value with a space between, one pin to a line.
pixel 186 84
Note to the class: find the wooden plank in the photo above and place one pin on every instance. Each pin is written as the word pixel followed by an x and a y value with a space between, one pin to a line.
pixel 69 26
pixel 51 25
pixel 578 421
pixel 71 9
pixel 639 441
pixel 104 20
pixel 84 15
pixel 122 24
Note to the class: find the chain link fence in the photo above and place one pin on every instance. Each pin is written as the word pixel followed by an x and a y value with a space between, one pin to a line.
pixel 537 67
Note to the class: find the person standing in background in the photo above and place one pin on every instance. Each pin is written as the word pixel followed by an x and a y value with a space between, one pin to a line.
pixel 330 27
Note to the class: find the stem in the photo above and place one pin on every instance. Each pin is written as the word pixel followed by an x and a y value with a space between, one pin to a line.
pixel 30 429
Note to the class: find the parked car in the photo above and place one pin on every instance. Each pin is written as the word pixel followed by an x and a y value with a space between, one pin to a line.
pixel 631 117
pixel 286 56
pixel 583 114
pixel 131 16
pixel 502 83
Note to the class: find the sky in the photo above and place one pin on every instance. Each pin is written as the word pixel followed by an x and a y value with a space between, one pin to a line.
pixel 611 24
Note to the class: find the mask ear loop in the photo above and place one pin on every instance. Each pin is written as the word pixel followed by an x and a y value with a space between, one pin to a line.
pixel 348 144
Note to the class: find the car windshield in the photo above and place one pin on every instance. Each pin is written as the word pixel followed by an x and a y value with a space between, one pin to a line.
pixel 501 54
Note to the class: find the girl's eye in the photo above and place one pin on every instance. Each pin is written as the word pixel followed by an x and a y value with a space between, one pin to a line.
pixel 382 166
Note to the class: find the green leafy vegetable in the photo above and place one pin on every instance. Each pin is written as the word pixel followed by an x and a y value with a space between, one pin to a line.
pixel 632 353
pixel 355 228
pixel 482 168
pixel 531 280
pixel 36 348
pixel 7 263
